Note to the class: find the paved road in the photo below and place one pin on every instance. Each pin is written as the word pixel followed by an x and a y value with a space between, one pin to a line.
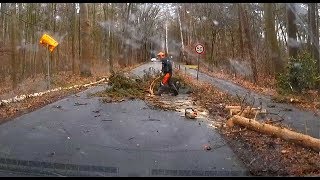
pixel 81 136
pixel 294 117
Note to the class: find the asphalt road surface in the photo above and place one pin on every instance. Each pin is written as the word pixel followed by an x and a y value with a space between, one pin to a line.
pixel 82 136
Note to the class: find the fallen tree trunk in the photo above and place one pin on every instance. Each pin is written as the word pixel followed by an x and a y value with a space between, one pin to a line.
pixel 233 107
pixel 239 108
pixel 247 112
pixel 283 133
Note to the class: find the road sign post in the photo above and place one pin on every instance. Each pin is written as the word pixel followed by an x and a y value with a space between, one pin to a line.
pixel 48 62
pixel 199 49
pixel 50 44
pixel 198 67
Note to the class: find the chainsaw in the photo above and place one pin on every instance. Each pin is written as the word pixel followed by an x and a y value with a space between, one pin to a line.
pixel 190 113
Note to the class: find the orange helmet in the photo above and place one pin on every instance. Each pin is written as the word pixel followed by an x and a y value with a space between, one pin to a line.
pixel 161 54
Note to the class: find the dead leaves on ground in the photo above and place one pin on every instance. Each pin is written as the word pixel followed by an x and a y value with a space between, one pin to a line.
pixel 309 100
pixel 306 101
pixel 10 111
pixel 18 108
pixel 263 155
pixel 268 152
pixel 266 84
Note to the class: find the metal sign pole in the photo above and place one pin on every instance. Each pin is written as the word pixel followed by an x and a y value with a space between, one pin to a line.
pixel 48 62
pixel 198 67
pixel 49 42
pixel 199 49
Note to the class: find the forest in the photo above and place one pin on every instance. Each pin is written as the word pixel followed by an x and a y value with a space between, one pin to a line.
pixel 257 81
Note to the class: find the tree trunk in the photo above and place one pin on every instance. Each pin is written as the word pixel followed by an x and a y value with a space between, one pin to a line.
pixel 240 32
pixel 73 53
pixel 106 33
pixel 53 57
pixel 317 42
pixel 232 42
pixel 292 31
pixel 3 22
pixel 181 34
pixel 284 36
pixel 248 39
pixel 166 40
pixel 94 32
pixel 13 46
pixel 111 41
pixel 314 33
pixel 213 62
pixel 309 31
pixel 124 47
pixel 21 52
pixel 85 37
pixel 271 39
pixel 283 133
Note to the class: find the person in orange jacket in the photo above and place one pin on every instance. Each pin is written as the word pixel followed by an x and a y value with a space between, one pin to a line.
pixel 166 82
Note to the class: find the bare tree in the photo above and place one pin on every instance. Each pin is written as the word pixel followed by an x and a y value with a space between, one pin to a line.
pixel 313 10
pixel 271 39
pixel 292 31
pixel 181 34
pixel 249 43
pixel 85 37
pixel 13 45
pixel 73 37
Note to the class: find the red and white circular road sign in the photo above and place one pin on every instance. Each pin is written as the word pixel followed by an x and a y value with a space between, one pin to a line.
pixel 199 48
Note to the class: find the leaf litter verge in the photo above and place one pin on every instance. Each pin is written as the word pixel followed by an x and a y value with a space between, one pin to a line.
pixel 262 154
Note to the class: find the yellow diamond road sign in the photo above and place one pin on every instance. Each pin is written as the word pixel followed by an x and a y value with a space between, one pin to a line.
pixel 49 41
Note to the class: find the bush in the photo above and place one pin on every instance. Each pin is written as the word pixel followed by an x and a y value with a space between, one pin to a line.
pixel 300 74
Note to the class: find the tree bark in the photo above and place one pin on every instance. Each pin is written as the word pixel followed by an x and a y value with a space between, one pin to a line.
pixel 53 57
pixel 3 22
pixel 309 31
pixel 271 39
pixel 292 31
pixel 94 33
pixel 13 46
pixel 181 35
pixel 73 37
pixel 111 63
pixel 283 133
pixel 85 37
pixel 232 42
pixel 124 59
pixel 314 33
pixel 240 32
pixel 250 49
